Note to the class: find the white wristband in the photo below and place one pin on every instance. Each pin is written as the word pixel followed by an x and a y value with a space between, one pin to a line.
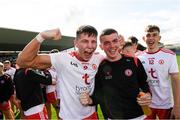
pixel 39 38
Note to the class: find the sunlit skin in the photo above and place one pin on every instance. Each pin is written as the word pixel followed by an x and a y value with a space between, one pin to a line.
pixel 110 44
pixel 86 46
pixel 152 39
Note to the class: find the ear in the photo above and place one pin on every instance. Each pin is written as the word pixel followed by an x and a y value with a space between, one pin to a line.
pixel 143 38
pixel 75 42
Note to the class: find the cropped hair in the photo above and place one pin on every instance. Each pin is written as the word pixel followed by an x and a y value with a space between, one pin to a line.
pixel 152 28
pixel 108 31
pixel 127 44
pixel 86 29
pixel 133 39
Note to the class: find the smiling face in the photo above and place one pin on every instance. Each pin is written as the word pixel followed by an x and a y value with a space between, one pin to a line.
pixel 110 44
pixel 152 39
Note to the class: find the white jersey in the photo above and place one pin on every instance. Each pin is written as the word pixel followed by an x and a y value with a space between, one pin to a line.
pixel 159 66
pixel 75 77
pixel 11 71
pixel 52 88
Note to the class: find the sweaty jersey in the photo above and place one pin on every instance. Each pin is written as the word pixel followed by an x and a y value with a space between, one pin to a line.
pixel 75 77
pixel 159 66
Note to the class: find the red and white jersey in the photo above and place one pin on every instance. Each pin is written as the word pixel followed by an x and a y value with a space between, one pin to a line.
pixel 159 66
pixel 52 88
pixel 11 72
pixel 75 77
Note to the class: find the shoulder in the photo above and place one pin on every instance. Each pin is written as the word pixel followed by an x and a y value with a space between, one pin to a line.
pixel 167 51
pixel 103 62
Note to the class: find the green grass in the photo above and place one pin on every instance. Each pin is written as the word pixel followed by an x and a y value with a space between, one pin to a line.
pixel 99 110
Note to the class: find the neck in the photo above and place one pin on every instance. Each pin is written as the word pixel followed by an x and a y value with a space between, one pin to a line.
pixel 114 59
pixel 79 57
pixel 152 50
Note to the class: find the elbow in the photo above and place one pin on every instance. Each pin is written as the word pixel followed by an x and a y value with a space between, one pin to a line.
pixel 21 64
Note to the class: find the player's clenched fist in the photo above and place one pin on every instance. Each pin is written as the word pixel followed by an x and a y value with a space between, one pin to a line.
pixel 53 34
pixel 85 99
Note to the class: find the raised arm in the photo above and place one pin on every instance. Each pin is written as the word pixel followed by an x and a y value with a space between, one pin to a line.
pixel 29 56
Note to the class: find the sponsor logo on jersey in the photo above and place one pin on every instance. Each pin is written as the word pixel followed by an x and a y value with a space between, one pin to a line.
pixel 80 89
pixel 128 72
pixel 153 82
pixel 143 62
pixel 74 64
pixel 108 76
pixel 108 72
pixel 85 78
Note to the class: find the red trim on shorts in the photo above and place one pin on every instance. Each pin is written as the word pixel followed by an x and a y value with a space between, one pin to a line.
pixel 161 113
pixel 38 116
pixel 92 117
pixel 51 97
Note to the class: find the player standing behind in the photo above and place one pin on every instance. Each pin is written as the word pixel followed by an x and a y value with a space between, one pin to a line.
pixel 51 92
pixel 28 88
pixel 162 69
pixel 6 92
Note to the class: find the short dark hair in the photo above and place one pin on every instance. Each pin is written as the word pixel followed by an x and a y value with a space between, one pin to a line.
pixel 133 39
pixel 151 28
pixel 108 31
pixel 127 44
pixel 86 29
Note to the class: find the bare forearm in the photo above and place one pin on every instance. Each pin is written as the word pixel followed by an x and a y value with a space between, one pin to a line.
pixel 176 91
pixel 176 88
pixel 29 56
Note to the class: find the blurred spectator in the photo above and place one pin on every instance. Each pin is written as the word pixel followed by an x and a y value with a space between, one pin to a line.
pixel 6 93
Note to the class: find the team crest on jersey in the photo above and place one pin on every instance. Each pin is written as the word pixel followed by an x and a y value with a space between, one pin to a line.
pixel 161 61
pixel 94 66
pixel 128 72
